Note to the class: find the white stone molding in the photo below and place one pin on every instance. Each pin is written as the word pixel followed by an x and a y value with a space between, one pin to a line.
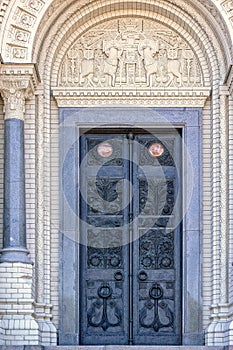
pixel 39 237
pixel 224 146
pixel 71 97
pixel 42 306
pixel 72 29
pixel 22 18
pixel 220 327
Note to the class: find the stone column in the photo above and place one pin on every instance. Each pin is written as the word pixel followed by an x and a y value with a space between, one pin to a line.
pixel 14 216
pixel 17 323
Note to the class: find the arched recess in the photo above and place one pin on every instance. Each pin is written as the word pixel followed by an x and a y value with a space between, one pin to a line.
pixel 68 22
pixel 59 26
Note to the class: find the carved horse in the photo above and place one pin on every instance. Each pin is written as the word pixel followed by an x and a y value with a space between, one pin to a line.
pixel 148 49
pixel 113 52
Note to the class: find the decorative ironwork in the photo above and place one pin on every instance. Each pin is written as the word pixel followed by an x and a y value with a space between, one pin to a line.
pixel 103 302
pixel 107 188
pixel 157 308
pixel 105 238
pixel 109 297
pixel 157 250
pixel 104 196
pixel 156 197
pixel 104 258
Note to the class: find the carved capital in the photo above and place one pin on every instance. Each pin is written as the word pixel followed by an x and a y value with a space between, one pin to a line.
pixel 17 83
pixel 14 94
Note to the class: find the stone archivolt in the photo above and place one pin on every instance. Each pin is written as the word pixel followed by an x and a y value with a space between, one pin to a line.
pixel 130 53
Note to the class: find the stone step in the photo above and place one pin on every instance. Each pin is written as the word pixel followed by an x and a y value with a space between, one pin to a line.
pixel 138 347
pixel 116 347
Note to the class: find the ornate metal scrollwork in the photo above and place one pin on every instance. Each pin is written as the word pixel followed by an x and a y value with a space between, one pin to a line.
pixel 104 258
pixel 157 250
pixel 162 314
pixel 105 293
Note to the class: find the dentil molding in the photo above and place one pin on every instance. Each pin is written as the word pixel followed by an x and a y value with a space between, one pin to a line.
pixel 74 97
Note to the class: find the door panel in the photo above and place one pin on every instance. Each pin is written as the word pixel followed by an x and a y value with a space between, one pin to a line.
pixel 130 257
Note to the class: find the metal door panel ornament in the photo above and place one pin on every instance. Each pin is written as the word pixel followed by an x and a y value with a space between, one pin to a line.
pixel 130 265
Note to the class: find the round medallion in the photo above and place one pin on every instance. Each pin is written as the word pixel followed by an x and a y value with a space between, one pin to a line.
pixel 147 261
pixel 156 150
pixel 166 262
pixel 95 261
pixel 105 150
pixel 115 261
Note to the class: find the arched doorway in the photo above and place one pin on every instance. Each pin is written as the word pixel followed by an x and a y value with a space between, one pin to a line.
pixel 131 58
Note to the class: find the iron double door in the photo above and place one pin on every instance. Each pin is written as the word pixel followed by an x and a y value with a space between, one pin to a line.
pixel 130 256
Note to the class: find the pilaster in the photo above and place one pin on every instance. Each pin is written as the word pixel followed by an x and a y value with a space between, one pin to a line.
pixel 219 331
pixel 15 89
pixel 19 320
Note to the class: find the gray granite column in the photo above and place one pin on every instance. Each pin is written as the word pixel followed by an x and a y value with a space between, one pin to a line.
pixel 14 215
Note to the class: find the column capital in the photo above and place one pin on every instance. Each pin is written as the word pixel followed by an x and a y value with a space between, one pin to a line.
pixel 17 83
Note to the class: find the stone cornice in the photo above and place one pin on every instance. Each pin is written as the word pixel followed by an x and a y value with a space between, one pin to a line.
pixel 22 71
pixel 157 97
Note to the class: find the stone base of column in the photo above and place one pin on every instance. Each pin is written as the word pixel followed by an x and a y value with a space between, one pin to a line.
pixel 15 254
pixel 48 332
pixel 17 324
pixel 220 331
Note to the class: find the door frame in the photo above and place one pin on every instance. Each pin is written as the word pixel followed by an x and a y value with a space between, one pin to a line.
pixel 71 120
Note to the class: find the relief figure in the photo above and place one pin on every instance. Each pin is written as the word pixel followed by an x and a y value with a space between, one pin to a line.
pixel 113 53
pixel 157 64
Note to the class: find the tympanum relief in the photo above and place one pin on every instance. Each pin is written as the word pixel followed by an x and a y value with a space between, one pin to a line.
pixel 129 53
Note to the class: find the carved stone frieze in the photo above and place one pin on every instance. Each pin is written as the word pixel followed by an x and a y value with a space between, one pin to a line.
pixel 20 31
pixel 130 53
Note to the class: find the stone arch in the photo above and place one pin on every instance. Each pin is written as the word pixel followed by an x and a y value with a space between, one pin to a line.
pixel 13 16
pixel 206 43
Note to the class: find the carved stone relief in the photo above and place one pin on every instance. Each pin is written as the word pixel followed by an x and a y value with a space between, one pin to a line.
pixel 129 53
